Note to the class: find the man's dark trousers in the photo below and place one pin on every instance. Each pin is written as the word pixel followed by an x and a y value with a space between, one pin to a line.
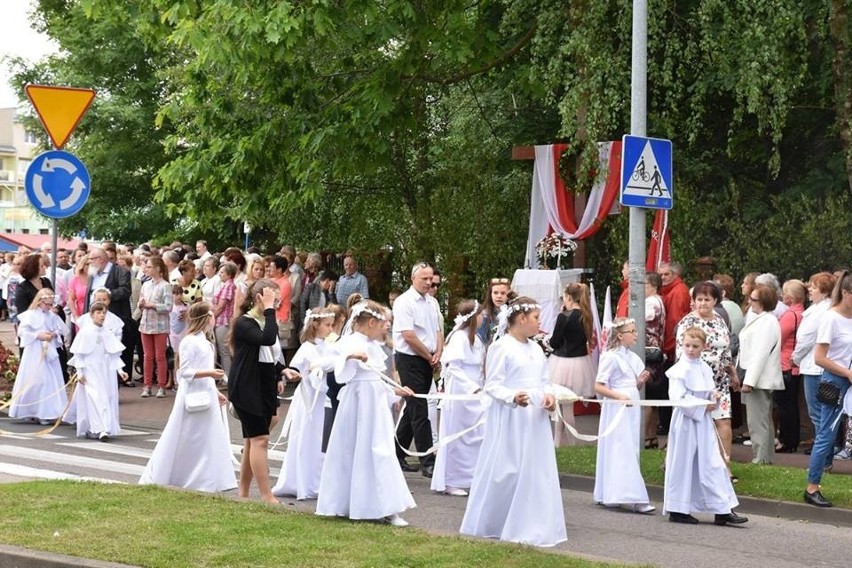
pixel 415 372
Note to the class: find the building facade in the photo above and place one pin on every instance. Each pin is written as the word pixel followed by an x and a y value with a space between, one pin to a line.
pixel 17 148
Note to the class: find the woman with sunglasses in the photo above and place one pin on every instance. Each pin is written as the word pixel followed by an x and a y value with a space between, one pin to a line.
pixel 497 296
pixel 760 357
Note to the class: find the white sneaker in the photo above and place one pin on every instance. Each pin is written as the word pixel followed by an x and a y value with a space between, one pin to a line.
pixel 146 392
pixel 161 393
pixel 455 492
pixel 643 508
pixel 843 455
pixel 396 521
pixel 103 437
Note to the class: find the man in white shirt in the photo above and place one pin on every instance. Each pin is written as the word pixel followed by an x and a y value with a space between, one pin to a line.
pixel 418 341
pixel 201 250
pixel 171 259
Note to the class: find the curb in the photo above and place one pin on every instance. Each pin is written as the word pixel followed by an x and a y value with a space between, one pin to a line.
pixel 769 508
pixel 16 557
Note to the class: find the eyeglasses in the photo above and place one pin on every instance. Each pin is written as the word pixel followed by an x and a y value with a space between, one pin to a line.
pixel 499 280
pixel 436 285
pixel 753 299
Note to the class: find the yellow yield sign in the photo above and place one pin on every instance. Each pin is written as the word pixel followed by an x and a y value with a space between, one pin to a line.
pixel 60 109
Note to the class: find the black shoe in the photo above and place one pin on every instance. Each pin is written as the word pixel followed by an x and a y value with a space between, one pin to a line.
pixel 428 470
pixel 682 518
pixel 816 499
pixel 730 519
pixel 408 467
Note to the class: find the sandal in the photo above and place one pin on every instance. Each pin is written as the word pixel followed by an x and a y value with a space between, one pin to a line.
pixel 651 443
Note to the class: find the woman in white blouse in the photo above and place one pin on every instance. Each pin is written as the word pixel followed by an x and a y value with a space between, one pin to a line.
pixel 760 356
pixel 819 293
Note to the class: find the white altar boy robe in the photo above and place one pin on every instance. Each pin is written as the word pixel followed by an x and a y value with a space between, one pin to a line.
pixel 361 477
pixel 302 466
pixel 618 479
pixel 96 354
pixel 515 495
pixel 696 477
pixel 462 363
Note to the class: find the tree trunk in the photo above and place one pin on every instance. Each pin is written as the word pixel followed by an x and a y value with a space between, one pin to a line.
pixel 838 23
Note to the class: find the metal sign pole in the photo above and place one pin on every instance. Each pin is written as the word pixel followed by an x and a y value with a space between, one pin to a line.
pixel 53 242
pixel 638 127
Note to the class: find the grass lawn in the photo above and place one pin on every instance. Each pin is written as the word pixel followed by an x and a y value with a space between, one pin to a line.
pixel 154 527
pixel 764 481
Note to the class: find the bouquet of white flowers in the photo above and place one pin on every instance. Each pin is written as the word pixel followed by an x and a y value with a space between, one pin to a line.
pixel 553 249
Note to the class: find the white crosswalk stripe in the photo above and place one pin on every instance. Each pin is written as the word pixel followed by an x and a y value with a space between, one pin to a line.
pixel 68 457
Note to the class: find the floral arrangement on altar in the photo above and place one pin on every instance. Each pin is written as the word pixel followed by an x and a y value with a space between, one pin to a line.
pixel 553 249
pixel 8 371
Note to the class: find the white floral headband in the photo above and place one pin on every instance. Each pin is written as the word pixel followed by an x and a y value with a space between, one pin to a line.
pixel 622 323
pixel 315 315
pixel 460 319
pixel 361 308
pixel 506 311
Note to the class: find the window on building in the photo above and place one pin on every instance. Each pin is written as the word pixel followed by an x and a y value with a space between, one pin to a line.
pixel 44 231
pixel 23 165
pixel 30 137
pixel 25 231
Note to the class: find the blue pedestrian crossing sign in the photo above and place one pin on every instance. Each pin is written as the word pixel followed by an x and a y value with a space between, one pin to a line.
pixel 646 172
pixel 57 184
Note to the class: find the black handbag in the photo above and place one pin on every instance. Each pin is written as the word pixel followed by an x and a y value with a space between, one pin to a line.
pixel 829 394
pixel 653 355
pixel 170 357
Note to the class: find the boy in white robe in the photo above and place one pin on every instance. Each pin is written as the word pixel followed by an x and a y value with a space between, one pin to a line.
pixel 97 357
pixel 697 478
pixel 112 322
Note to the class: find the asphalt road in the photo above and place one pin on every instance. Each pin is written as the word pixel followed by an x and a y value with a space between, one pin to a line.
pixel 592 531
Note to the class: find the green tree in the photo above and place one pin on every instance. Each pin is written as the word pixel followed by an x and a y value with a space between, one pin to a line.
pixel 117 139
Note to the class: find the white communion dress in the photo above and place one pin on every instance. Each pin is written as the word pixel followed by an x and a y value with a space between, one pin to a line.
pixel 39 390
pixel 194 450
pixel 361 477
pixel 618 478
pixel 515 495
pixel 302 466
pixel 455 462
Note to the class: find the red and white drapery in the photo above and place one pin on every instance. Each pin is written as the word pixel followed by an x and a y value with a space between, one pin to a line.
pixel 552 207
pixel 659 248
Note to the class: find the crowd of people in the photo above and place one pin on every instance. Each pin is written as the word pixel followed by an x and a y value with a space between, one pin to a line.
pixel 371 379
pixel 784 341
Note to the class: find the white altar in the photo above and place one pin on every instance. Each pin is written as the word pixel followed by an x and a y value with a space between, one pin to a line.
pixel 546 287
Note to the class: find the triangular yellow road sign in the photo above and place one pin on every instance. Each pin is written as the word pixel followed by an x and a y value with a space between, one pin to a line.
pixel 60 109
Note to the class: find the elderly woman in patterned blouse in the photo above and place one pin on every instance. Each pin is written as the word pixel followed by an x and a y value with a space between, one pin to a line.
pixel 717 353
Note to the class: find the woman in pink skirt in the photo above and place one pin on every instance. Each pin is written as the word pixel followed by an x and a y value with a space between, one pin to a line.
pixel 571 364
